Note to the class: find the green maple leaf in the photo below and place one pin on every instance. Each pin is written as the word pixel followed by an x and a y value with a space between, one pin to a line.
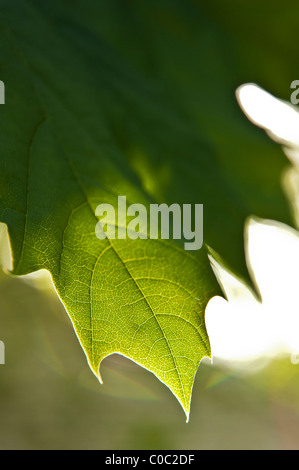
pixel 105 99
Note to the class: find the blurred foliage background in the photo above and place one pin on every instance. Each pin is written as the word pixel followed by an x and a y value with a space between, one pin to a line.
pixel 49 398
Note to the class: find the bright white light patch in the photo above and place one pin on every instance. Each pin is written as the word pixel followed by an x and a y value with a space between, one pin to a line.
pixel 279 118
pixel 242 328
